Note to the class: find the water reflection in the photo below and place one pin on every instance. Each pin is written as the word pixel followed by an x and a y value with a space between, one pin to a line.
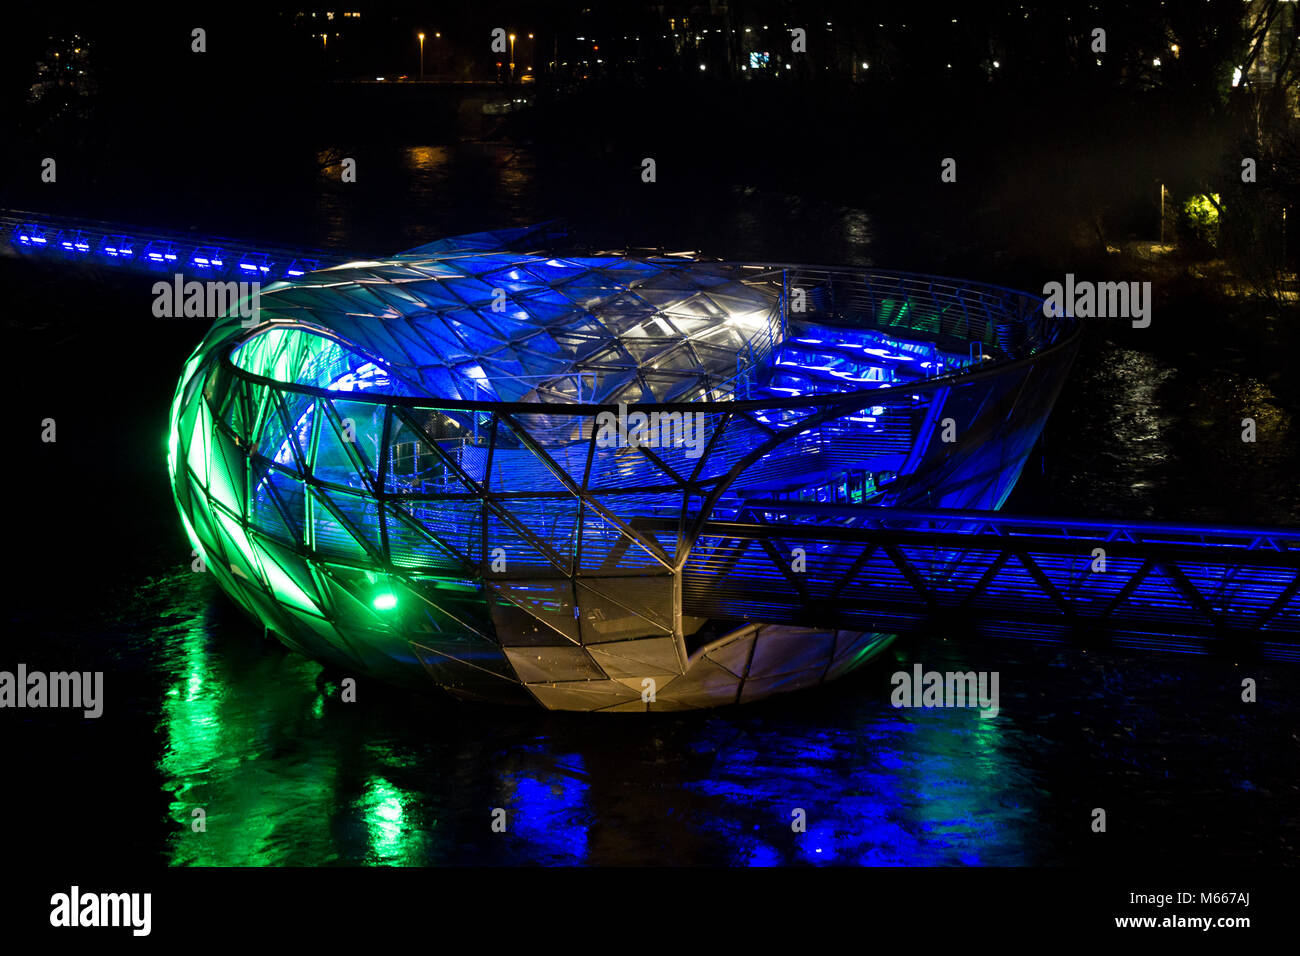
pixel 290 775
pixel 440 190
pixel 891 787
pixel 1165 442
pixel 394 837
pixel 425 161
pixel 548 795
pixel 220 724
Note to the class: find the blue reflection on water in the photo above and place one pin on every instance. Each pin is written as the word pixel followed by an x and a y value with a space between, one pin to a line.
pixel 890 787
pixel 289 774
pixel 548 803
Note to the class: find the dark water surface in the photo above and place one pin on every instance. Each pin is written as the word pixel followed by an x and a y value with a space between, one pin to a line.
pixel 202 711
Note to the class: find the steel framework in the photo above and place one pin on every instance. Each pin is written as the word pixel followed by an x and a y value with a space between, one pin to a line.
pixel 1177 587
pixel 399 467
pixel 406 466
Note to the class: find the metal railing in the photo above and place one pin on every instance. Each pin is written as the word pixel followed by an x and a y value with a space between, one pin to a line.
pixel 88 240
pixel 1181 587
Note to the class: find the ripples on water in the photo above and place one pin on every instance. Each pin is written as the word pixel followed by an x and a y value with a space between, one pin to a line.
pixel 290 775
pixel 1137 436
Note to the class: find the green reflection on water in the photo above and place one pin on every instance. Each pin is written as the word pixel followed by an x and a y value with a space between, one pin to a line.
pixel 392 826
pixel 220 734
pixel 249 736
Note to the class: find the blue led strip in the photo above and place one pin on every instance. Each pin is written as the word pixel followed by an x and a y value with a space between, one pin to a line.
pixel 1171 583
pixel 201 257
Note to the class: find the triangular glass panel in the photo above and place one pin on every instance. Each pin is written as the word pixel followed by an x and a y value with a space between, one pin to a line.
pixel 517 467
pixel 621 609
pixel 564 439
pixel 362 428
pixel 534 612
pixel 458 525
pixel 433 453
pixel 515 550
pixel 336 461
pixel 268 512
pixel 411 546
pixel 344 526
pixel 607 549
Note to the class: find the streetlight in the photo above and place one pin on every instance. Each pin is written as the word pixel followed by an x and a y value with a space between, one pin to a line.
pixel 512 58
pixel 421 55
pixel 1163 193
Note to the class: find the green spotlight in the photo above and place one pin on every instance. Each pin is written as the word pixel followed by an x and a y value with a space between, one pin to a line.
pixel 385 601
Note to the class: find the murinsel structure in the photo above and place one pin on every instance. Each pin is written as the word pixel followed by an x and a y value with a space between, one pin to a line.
pixel 496 468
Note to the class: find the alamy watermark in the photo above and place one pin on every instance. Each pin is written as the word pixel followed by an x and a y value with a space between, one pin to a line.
pixel 74 908
pixel 207 300
pixel 1099 300
pixel 651 430
pixel 74 689
pixel 920 688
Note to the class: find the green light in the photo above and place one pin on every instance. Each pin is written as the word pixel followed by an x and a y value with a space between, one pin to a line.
pixel 385 602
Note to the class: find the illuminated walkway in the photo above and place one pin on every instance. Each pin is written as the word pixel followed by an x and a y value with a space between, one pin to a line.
pixel 199 256
pixel 1139 584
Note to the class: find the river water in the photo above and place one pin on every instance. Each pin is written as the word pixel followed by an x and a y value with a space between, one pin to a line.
pixel 202 712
